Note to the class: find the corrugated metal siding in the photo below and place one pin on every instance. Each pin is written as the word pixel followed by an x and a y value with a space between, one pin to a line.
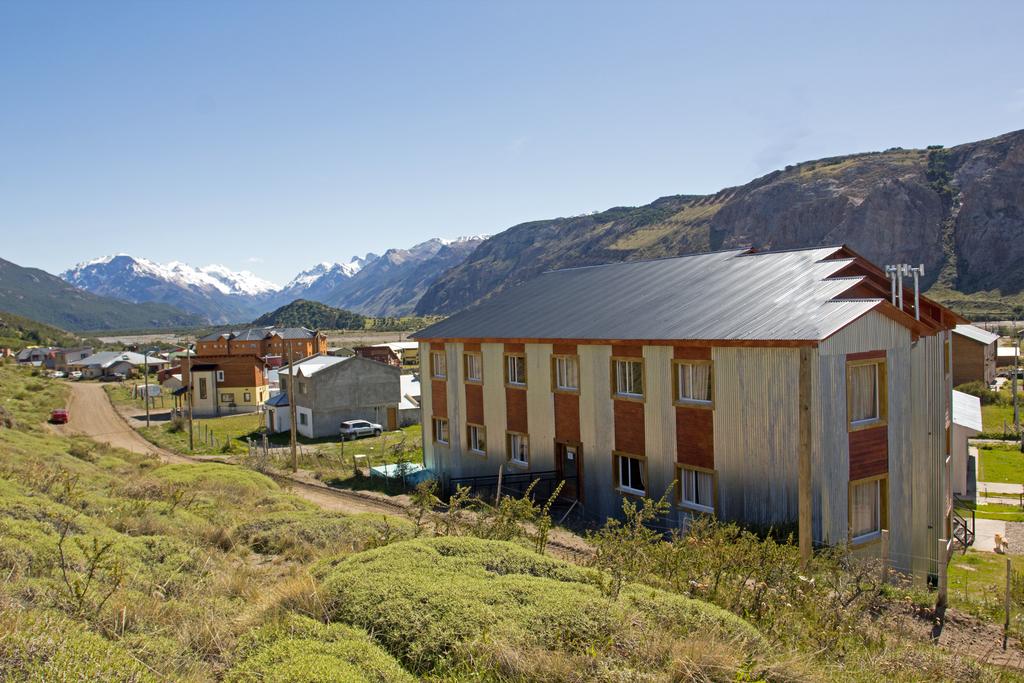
pixel 831 460
pixel 928 387
pixel 494 402
pixel 869 333
pixel 540 407
pixel 659 420
pixel 757 433
pixel 596 425
pixel 902 471
pixel 426 412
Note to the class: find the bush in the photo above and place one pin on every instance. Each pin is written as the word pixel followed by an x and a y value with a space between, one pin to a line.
pixel 303 533
pixel 981 390
pixel 460 604
pixel 300 649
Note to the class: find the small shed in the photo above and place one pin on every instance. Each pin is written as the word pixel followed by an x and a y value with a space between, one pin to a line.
pixel 966 424
pixel 974 355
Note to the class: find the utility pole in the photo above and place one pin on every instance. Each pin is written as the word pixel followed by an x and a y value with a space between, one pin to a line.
pixel 145 397
pixel 291 405
pixel 1016 370
pixel 188 393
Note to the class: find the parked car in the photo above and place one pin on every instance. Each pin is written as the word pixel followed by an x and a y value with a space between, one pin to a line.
pixel 77 374
pixel 59 416
pixel 116 377
pixel 57 374
pixel 354 429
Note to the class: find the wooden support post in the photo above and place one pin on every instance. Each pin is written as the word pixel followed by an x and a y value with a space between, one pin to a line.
pixel 804 485
pixel 1006 623
pixel 942 560
pixel 885 556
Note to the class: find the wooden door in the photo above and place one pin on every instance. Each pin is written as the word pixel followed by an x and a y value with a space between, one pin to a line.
pixel 569 468
pixel 392 418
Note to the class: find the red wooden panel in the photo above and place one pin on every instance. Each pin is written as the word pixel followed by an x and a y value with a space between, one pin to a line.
pixel 695 437
pixel 567 417
pixel 869 452
pixel 865 355
pixel 629 427
pixel 629 351
pixel 471 346
pixel 564 349
pixel 474 403
pixel 515 410
pixel 439 397
pixel 437 346
pixel 511 347
pixel 692 352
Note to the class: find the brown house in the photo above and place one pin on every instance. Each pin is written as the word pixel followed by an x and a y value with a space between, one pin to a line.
pixel 382 354
pixel 295 342
pixel 974 355
pixel 767 388
pixel 224 385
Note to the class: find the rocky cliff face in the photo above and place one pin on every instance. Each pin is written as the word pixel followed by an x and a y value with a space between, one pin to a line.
pixel 960 211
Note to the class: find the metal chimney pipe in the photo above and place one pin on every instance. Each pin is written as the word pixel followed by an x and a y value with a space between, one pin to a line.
pixel 890 271
pixel 899 285
pixel 918 272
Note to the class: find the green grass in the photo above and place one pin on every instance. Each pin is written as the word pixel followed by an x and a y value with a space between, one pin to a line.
pixel 999 511
pixel 1000 464
pixel 997 420
pixel 977 585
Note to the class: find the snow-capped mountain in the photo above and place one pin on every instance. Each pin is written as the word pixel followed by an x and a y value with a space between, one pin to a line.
pixel 374 285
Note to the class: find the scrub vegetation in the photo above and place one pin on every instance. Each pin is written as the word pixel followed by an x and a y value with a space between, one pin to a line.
pixel 115 566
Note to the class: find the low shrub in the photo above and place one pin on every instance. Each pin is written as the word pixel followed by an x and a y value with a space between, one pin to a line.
pixel 300 649
pixel 485 600
pixel 981 390
pixel 304 533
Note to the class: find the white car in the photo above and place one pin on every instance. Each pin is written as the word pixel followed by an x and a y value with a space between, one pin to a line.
pixel 353 429
pixel 77 374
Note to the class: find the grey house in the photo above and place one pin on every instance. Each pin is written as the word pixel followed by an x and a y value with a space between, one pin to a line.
pixel 332 389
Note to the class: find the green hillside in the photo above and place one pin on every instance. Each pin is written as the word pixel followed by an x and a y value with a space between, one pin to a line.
pixel 312 314
pixel 37 295
pixel 18 332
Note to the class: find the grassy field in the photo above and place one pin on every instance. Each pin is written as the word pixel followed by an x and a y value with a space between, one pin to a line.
pixel 997 420
pixel 977 584
pixel 1001 464
pixel 1002 511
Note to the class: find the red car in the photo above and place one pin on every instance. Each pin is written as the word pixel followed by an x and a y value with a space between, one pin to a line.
pixel 59 416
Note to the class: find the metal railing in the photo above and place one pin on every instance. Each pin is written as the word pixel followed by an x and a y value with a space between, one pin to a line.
pixel 963 524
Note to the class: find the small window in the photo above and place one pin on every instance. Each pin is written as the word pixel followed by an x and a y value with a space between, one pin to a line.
pixel 631 474
pixel 864 393
pixel 220 375
pixel 567 373
pixel 519 448
pixel 438 365
pixel 515 370
pixel 477 439
pixel 441 430
pixel 202 389
pixel 474 368
pixel 302 387
pixel 696 489
pixel 865 510
pixel 693 382
pixel 628 378
pixel 247 397
pixel 227 398
pixel 303 419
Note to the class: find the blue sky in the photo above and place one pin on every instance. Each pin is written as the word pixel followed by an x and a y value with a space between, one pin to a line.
pixel 271 136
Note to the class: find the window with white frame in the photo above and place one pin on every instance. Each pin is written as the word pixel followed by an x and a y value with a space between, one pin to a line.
pixel 567 373
pixel 519 448
pixel 515 369
pixel 696 488
pixel 693 382
pixel 477 435
pixel 441 430
pixel 438 364
pixel 865 406
pixel 631 474
pixel 227 398
pixel 865 510
pixel 629 378
pixel 303 419
pixel 474 368
pixel 220 375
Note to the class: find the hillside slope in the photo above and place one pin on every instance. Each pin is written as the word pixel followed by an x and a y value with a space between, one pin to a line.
pixel 18 332
pixel 311 314
pixel 36 294
pixel 960 211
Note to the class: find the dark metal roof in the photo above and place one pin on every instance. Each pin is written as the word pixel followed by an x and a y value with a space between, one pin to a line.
pixel 728 295
pixel 258 333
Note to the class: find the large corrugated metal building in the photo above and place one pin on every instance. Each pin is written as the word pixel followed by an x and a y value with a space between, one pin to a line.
pixel 727 374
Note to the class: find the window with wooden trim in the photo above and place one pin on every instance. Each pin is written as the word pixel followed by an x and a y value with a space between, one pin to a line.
pixel 438 365
pixel 868 506
pixel 441 430
pixel 628 377
pixel 694 382
pixel 515 369
pixel 518 448
pixel 865 393
pixel 696 488
pixel 227 398
pixel 202 389
pixel 247 397
pixel 630 473
pixel 474 367
pixel 477 438
pixel 565 373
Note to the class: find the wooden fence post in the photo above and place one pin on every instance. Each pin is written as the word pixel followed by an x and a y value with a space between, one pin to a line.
pixel 885 556
pixel 942 559
pixel 1006 623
